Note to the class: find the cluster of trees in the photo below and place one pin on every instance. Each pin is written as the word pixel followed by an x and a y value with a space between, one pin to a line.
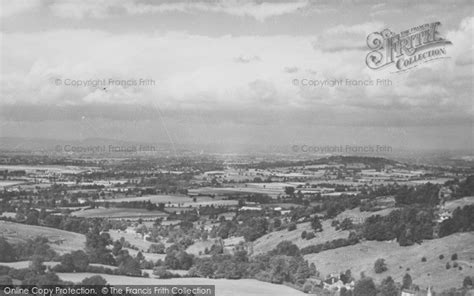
pixel 96 247
pixel 408 225
pixel 37 275
pixel 35 247
pixel 345 224
pixel 464 188
pixel 252 227
pixel 334 244
pixel 177 258
pixel 282 264
pixel 461 221
pixel 148 205
pixel 426 194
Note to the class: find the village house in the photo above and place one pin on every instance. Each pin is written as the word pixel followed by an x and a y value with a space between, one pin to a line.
pixel 334 283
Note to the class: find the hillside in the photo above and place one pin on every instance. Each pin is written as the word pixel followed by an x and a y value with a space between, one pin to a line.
pixel 269 241
pixel 223 287
pixel 361 257
pixel 61 241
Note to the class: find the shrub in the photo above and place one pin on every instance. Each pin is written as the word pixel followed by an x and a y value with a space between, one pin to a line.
pixel 95 280
pixel 292 226
pixel 380 266
pixel 441 257
pixel 310 235
pixel 448 266
pixel 467 282
pixel 308 287
pixel 303 234
pixel 454 256
pixel 423 259
pixel 157 248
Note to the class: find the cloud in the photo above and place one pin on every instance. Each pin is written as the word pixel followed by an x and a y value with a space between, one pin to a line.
pixel 291 69
pixel 342 37
pixel 242 8
pixel 247 59
pixel 210 79
pixel 11 8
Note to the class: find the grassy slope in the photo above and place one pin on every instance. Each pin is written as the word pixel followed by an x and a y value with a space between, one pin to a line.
pixel 361 257
pixel 269 241
pixel 223 287
pixel 61 241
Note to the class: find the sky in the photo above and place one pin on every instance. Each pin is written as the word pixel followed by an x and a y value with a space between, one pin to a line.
pixel 231 73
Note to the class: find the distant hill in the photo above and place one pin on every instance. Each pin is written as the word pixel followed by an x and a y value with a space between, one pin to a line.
pixel 18 144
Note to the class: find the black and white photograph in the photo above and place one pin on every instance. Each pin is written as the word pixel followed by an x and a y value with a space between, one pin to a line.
pixel 237 147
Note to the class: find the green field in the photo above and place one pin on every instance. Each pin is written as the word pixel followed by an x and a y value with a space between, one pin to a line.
pixel 119 213
pixel 61 241
pixel 156 198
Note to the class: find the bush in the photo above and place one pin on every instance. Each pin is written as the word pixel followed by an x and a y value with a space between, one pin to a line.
pixel 95 280
pixel 423 259
pixel 448 266
pixel 380 266
pixel 161 272
pixel 467 282
pixel 303 234
pixel 308 287
pixel 157 248
pixel 310 235
pixel 454 256
pixel 292 226
pixel 441 257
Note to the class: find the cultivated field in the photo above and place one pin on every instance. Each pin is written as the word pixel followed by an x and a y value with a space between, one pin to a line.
pixel 61 241
pixel 119 213
pixel 134 239
pixel 7 183
pixel 361 257
pixel 200 246
pixel 224 287
pixel 357 216
pixel 453 204
pixel 156 199
pixel 178 200
pixel 47 168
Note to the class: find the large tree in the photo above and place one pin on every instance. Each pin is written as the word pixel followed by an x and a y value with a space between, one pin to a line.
pixel 7 253
pixel 388 287
pixel 365 287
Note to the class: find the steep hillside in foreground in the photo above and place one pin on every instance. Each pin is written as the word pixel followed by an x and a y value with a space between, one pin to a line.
pixel 400 260
pixel 224 287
